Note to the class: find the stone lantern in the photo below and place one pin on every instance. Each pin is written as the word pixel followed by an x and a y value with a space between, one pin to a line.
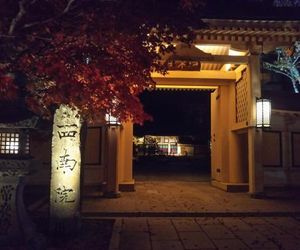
pixel 15 159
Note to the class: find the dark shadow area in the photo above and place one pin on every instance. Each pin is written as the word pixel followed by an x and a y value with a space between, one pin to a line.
pixel 173 146
pixel 176 112
pixel 93 233
pixel 171 168
pixel 282 193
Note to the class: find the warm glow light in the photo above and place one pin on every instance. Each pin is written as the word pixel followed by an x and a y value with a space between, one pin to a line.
pixel 179 150
pixel 227 67
pixel 222 50
pixel 263 113
pixel 166 86
pixel 214 49
pixel 13 146
pixel 233 52
pixel 111 120
pixel 9 143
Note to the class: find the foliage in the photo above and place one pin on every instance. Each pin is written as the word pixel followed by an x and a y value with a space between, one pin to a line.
pixel 287 63
pixel 97 55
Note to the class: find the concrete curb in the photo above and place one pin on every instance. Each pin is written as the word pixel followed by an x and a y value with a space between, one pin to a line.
pixel 189 214
pixel 114 243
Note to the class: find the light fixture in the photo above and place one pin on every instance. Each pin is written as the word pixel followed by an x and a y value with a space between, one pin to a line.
pixel 111 120
pixel 263 113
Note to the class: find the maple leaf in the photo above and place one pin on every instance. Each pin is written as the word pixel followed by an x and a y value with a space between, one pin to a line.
pixel 95 55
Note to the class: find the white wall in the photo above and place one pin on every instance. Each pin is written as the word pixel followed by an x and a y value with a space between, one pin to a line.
pixel 281 149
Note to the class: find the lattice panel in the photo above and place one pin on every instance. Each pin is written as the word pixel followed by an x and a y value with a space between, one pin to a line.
pixel 9 143
pixel 6 211
pixel 241 91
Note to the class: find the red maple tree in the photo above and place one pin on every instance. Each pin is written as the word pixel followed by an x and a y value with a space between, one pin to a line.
pixel 95 55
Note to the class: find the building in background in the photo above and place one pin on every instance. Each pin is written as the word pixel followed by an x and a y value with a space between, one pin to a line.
pixel 168 146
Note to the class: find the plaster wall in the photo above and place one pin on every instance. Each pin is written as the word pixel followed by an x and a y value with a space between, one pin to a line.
pixel 281 148
pixel 93 168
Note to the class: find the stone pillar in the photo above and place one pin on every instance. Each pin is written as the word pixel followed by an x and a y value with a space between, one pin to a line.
pixel 112 156
pixel 65 171
pixel 256 171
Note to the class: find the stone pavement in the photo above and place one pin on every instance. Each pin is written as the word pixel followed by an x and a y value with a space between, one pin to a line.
pixel 206 233
pixel 188 197
pixel 182 215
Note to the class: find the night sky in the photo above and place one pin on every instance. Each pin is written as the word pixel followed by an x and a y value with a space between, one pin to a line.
pixel 177 112
pixel 252 9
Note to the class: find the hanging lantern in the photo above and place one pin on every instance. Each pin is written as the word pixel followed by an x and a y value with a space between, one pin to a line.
pixel 111 120
pixel 263 113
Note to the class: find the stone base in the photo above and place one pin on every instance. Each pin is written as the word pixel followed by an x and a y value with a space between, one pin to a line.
pixel 231 187
pixel 259 195
pixel 112 195
pixel 127 186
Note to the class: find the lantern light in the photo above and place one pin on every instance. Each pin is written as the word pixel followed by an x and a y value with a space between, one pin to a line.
pixel 111 120
pixel 263 113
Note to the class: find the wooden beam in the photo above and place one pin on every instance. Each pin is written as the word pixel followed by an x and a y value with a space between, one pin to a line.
pixel 186 87
pixel 190 83
pixel 214 58
pixel 204 74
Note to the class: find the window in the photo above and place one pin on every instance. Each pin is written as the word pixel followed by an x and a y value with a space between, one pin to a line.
pixel 27 145
pixel 9 143
pixel 163 148
pixel 173 149
pixel 14 143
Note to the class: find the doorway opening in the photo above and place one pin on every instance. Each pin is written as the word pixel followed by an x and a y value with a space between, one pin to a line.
pixel 175 145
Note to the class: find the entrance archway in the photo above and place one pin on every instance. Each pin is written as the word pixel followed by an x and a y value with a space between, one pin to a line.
pixel 235 141
pixel 228 77
pixel 237 148
pixel 174 146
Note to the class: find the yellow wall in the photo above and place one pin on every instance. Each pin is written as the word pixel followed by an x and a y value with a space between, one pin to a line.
pixel 125 171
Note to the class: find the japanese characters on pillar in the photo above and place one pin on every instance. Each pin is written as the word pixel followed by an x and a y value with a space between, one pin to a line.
pixel 65 166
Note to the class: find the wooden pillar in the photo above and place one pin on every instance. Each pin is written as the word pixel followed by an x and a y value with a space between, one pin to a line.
pixel 126 181
pixel 220 134
pixel 256 171
pixel 112 185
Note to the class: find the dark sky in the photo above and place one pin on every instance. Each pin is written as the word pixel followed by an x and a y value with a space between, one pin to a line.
pixel 252 9
pixel 176 112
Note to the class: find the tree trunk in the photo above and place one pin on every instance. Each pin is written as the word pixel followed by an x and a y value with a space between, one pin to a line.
pixel 65 172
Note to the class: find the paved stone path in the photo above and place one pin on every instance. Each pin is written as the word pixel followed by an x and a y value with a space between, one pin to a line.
pixel 189 197
pixel 189 215
pixel 180 203
pixel 206 233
